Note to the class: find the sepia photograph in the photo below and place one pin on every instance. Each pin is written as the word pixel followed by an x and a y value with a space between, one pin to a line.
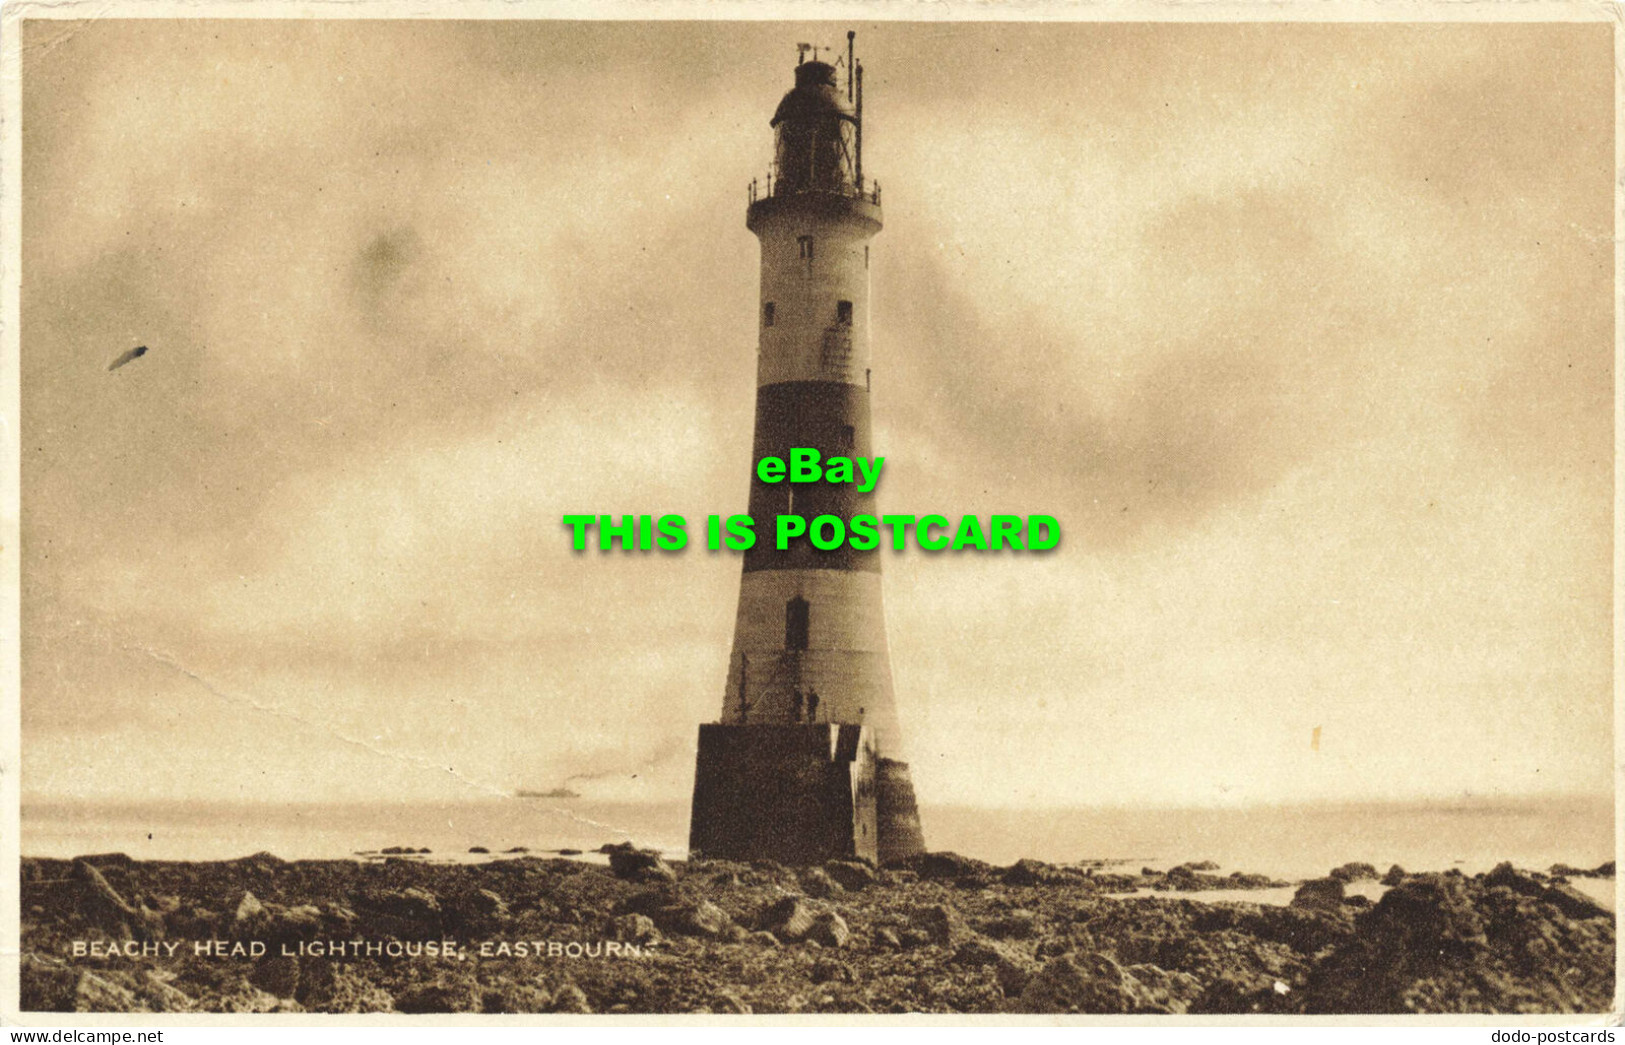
pixel 574 512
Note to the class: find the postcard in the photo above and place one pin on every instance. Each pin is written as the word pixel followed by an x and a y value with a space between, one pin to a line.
pixel 825 510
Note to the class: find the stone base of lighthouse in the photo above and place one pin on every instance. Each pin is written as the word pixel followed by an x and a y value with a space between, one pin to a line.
pixel 799 794
pixel 897 817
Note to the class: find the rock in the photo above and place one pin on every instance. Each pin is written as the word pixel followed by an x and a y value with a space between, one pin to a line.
pixel 472 910
pixel 162 995
pixel 691 918
pixel 249 999
pixel 635 928
pixel 102 905
pixel 262 864
pixel 1026 872
pixel 1014 971
pixel 729 1002
pixel 249 909
pixel 571 999
pixel 941 925
pixel 1395 875
pixel 516 998
pixel 886 938
pixel 440 996
pixel 978 951
pixel 829 930
pixel 1080 983
pixel 1306 930
pixel 817 883
pixel 1603 870
pixel 1199 865
pixel 828 970
pixel 107 860
pixel 292 923
pixel 762 938
pixel 850 875
pixel 326 986
pixel 652 901
pixel 478 849
pixel 1319 894
pixel 1172 992
pixel 1354 872
pixel 1518 881
pixel 944 865
pixel 1574 903
pixel 96 993
pixel 45 986
pixel 412 905
pixel 278 975
pixel 1447 943
pixel 1565 898
pixel 569 852
pixel 640 865
pixel 1237 990
pixel 1017 925
pixel 788 919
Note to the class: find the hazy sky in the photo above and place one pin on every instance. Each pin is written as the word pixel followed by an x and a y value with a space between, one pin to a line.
pixel 1304 333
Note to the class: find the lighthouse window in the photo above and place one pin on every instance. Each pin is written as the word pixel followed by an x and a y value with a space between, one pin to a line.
pixel 806 247
pixel 795 623
pixel 767 314
pixel 843 313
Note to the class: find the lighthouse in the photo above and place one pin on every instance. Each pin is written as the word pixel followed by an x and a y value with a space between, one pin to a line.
pixel 805 762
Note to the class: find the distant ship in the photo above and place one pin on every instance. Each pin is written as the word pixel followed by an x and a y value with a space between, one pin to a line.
pixel 557 792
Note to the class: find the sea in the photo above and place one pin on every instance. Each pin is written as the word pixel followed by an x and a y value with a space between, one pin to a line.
pixel 1290 842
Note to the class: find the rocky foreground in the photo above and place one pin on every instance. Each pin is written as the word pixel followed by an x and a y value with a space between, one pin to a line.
pixel 941 934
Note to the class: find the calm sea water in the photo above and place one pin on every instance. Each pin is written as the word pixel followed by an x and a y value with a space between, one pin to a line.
pixel 1288 842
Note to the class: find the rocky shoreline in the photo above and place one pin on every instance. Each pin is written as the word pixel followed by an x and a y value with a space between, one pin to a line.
pixel 940 933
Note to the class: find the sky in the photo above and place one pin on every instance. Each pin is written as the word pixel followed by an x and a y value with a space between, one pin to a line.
pixel 1303 332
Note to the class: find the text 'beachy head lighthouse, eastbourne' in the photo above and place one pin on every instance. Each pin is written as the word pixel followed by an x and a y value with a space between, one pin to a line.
pixel 803 765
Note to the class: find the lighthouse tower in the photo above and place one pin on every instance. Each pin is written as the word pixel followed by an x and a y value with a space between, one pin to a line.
pixel 804 764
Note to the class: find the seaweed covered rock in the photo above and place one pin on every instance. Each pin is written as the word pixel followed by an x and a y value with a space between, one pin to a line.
pixel 639 865
pixel 1447 943
pixel 851 875
pixel 1354 872
pixel 951 937
pixel 944 865
pixel 1319 894
pixel 1086 983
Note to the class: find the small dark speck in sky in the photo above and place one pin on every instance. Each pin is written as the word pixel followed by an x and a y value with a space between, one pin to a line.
pixel 133 354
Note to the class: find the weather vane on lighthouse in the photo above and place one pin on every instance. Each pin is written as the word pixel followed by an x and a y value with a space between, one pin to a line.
pixel 803 765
